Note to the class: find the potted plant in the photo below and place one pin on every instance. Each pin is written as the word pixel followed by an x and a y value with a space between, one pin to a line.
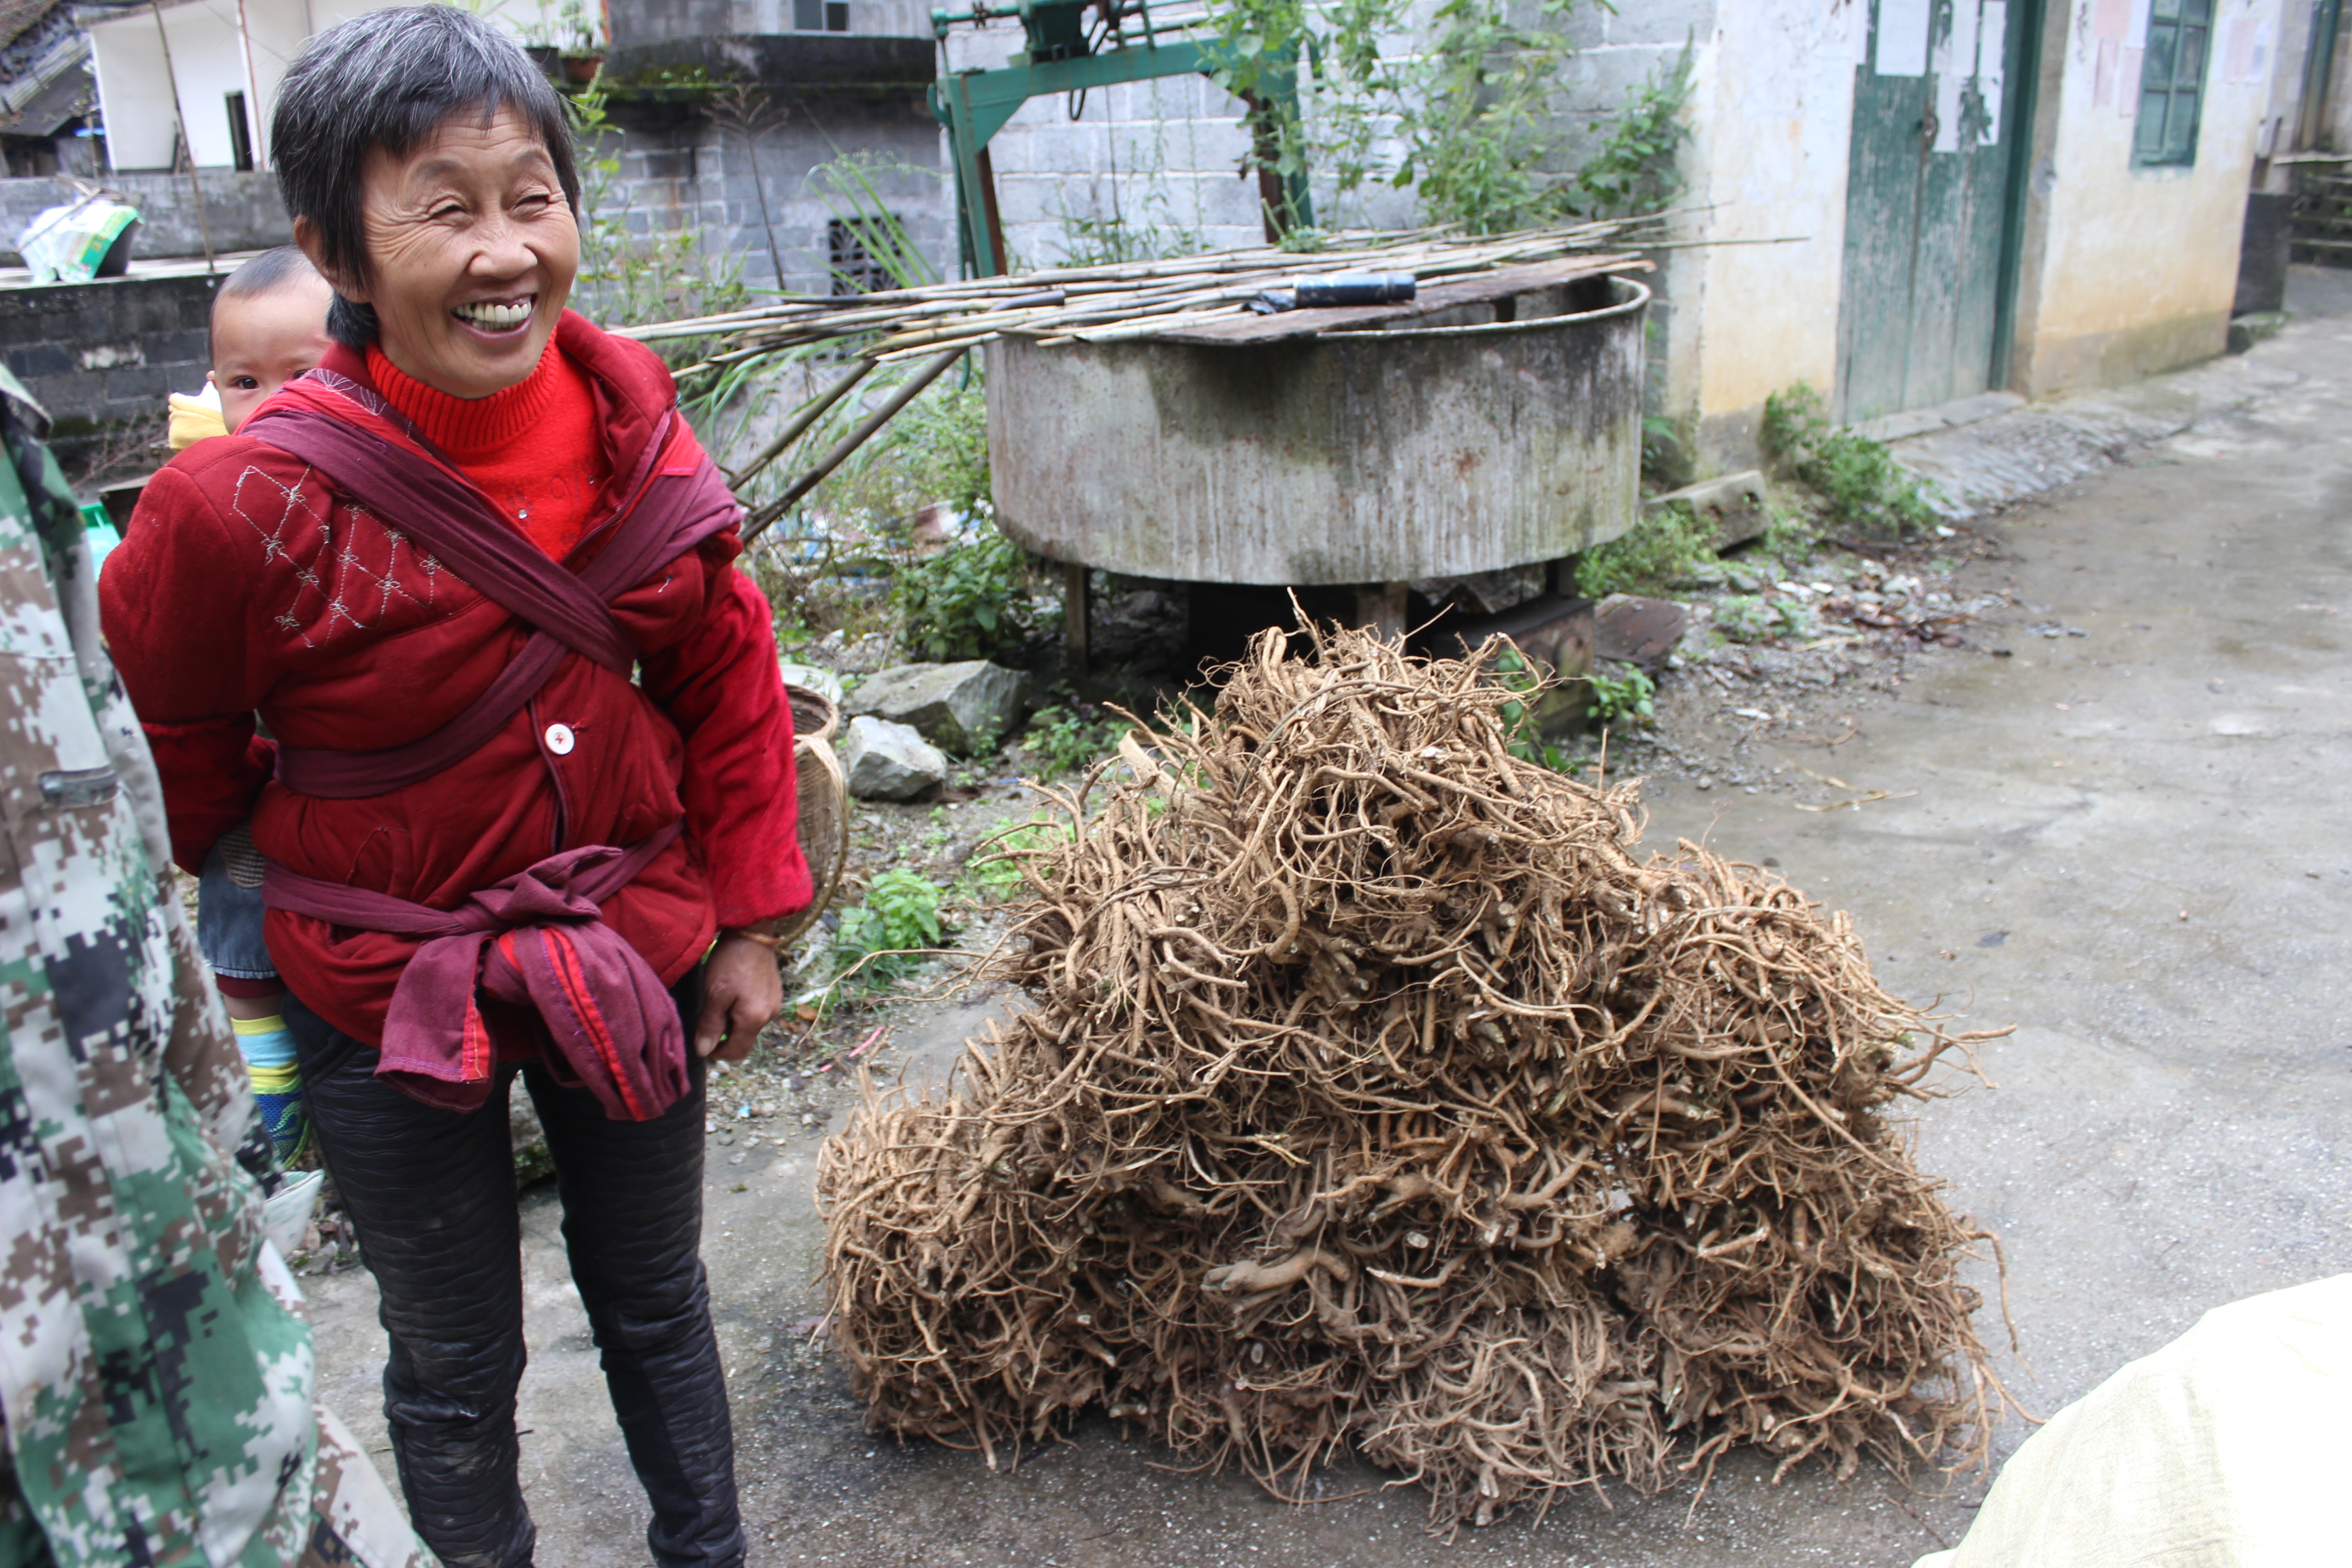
pixel 584 55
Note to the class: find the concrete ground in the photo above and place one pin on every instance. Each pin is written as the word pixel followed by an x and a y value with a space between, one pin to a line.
pixel 2134 844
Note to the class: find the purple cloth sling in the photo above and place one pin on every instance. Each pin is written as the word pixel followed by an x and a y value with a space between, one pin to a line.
pixel 449 516
pixel 538 938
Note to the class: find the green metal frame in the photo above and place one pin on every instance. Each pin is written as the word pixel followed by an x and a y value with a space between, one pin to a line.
pixel 975 105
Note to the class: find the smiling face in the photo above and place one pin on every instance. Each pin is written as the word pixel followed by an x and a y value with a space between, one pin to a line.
pixel 261 342
pixel 471 252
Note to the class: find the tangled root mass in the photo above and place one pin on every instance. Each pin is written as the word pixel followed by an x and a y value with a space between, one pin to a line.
pixel 1374 1092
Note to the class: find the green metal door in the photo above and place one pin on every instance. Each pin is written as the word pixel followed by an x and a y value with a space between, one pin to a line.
pixel 1939 103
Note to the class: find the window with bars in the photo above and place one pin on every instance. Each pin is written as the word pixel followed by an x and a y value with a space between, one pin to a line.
pixel 820 15
pixel 856 267
pixel 2172 81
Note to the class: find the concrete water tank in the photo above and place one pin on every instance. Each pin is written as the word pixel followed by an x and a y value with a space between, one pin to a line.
pixel 1492 436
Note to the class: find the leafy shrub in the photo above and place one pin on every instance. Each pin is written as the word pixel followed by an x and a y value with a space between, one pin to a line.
pixel 1653 552
pixel 1521 724
pixel 969 601
pixel 901 911
pixel 1634 170
pixel 1666 462
pixel 1857 479
pixel 1629 698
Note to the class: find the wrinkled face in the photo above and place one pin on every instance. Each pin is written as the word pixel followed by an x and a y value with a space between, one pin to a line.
pixel 471 252
pixel 261 342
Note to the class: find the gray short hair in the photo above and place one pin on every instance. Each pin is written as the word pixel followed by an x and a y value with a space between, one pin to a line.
pixel 390 79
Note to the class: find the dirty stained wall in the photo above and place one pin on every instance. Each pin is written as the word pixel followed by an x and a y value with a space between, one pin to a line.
pixel 2130 269
pixel 1770 119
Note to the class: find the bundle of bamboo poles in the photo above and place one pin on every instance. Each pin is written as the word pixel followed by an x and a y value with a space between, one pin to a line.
pixel 1094 304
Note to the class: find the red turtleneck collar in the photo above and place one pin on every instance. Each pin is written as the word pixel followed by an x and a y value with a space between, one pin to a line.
pixel 534 448
pixel 469 426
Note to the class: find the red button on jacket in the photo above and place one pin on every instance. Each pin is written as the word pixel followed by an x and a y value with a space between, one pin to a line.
pixel 245 583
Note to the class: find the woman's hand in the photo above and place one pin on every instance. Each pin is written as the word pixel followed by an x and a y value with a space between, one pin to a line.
pixel 742 992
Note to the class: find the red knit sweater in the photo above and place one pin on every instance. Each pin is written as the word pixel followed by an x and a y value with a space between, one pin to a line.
pixel 548 484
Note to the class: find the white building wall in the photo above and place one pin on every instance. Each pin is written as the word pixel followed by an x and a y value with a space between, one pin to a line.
pixel 209 61
pixel 2136 268
pixel 1772 121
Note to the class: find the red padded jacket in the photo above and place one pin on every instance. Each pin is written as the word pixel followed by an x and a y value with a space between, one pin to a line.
pixel 246 584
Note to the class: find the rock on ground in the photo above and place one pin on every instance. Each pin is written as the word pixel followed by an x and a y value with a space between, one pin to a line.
pixel 963 707
pixel 884 761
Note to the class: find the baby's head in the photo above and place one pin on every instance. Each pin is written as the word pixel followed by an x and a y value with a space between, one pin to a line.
pixel 269 325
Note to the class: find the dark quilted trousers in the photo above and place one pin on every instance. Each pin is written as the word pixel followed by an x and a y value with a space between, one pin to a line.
pixel 430 1197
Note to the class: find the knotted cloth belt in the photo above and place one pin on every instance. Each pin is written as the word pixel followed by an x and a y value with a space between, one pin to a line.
pixel 538 938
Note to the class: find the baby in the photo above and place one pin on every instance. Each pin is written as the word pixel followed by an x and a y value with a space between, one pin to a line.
pixel 269 325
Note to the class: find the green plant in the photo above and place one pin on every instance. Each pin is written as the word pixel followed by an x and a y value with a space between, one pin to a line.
pixel 1477 119
pixel 1666 462
pixel 1634 170
pixel 1063 740
pixel 994 872
pixel 1656 551
pixel 880 938
pixel 1859 481
pixel 1473 113
pixel 847 185
pixel 1629 698
pixel 1523 735
pixel 970 600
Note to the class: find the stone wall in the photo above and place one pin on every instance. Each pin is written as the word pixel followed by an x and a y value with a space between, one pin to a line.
pixel 243 210
pixel 102 356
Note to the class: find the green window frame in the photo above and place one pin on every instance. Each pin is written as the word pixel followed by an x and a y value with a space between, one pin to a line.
pixel 2172 82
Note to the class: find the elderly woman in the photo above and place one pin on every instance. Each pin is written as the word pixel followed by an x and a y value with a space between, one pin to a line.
pixel 526 805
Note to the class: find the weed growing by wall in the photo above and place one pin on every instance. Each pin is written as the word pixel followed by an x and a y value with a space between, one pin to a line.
pixel 970 600
pixel 1861 485
pixel 1646 558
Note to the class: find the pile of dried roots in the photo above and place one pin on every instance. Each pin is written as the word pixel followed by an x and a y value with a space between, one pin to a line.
pixel 1374 1092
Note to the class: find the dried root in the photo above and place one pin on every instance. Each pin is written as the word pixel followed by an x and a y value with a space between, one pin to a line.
pixel 1374 1092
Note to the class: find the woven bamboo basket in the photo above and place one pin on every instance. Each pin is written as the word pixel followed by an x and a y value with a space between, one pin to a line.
pixel 824 792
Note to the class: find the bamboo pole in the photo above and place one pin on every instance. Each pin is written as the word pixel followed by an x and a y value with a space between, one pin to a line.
pixel 798 426
pixel 930 371
pixel 1117 301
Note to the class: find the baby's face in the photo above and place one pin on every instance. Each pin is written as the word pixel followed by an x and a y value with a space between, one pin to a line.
pixel 261 342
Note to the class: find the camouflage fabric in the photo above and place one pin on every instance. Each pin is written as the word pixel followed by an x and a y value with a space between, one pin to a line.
pixel 155 1378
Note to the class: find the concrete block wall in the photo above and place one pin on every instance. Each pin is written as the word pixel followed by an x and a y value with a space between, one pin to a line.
pixel 243 210
pixel 1160 156
pixel 645 23
pixel 1166 155
pixel 701 177
pixel 102 356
